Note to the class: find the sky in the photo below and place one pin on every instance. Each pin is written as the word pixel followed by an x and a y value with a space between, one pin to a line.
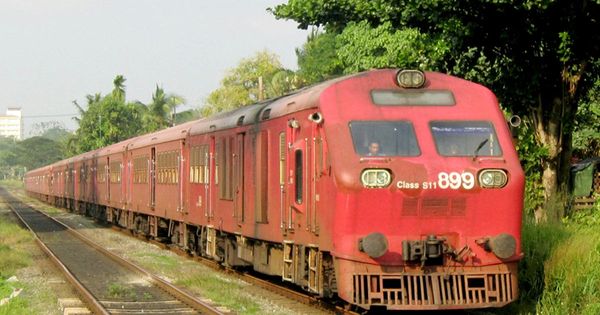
pixel 53 52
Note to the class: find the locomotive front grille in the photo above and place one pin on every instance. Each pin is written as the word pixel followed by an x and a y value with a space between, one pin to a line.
pixel 434 206
pixel 438 290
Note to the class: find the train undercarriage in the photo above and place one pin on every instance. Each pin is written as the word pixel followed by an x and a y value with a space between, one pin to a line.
pixel 299 264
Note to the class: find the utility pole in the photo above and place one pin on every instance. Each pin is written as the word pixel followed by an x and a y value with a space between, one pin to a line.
pixel 260 88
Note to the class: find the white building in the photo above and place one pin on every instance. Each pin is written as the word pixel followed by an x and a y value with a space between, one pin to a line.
pixel 11 125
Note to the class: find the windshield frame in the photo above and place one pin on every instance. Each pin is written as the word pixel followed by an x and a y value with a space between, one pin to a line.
pixel 475 152
pixel 360 149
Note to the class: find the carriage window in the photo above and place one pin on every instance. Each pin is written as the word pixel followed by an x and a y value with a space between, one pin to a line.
pixel 140 170
pixel 199 164
pixel 168 167
pixel 115 172
pixel 384 138
pixel 465 138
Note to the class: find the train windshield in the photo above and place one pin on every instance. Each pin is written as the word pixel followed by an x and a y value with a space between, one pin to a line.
pixel 384 138
pixel 465 138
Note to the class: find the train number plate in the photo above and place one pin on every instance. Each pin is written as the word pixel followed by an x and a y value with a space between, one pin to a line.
pixel 445 180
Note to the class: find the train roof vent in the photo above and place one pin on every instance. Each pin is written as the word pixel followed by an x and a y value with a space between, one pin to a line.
pixel 240 120
pixel 266 114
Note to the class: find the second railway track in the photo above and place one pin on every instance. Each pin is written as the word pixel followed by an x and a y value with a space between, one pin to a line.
pixel 107 283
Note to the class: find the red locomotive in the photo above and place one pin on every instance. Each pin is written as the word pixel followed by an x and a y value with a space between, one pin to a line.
pixel 390 189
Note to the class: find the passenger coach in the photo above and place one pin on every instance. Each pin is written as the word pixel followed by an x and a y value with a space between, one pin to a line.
pixel 390 189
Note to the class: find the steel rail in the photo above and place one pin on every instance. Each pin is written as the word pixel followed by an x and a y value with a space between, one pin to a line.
pixel 95 305
pixel 265 284
pixel 88 299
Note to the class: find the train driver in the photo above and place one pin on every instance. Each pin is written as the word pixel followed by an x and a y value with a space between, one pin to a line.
pixel 374 149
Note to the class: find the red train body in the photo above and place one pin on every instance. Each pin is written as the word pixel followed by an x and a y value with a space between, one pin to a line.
pixel 293 187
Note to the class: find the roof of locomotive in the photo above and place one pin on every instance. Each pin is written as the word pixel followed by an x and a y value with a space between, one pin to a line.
pixel 251 114
pixel 242 116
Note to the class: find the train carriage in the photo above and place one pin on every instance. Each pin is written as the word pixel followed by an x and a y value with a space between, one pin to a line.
pixel 390 189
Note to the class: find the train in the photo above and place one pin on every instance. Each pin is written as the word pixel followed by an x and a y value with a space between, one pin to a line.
pixel 389 189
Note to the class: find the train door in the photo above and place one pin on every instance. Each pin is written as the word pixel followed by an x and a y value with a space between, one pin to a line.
pixel 314 170
pixel 50 183
pixel 107 171
pixel 295 157
pixel 285 172
pixel 94 179
pixel 238 179
pixel 181 177
pixel 213 178
pixel 204 157
pixel 128 179
pixel 83 182
pixel 152 170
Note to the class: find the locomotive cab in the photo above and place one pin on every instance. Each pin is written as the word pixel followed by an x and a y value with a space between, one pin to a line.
pixel 429 192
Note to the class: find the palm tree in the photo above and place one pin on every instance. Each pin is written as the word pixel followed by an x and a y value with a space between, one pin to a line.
pixel 119 88
pixel 159 110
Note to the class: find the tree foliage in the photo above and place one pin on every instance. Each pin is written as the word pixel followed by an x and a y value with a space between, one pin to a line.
pixel 586 136
pixel 534 54
pixel 364 47
pixel 106 120
pixel 18 156
pixel 317 58
pixel 240 86
pixel 160 110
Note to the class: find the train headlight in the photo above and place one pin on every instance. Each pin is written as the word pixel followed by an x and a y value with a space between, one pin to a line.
pixel 376 178
pixel 492 178
pixel 410 79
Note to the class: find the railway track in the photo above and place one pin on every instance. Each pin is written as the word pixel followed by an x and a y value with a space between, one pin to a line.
pixel 106 283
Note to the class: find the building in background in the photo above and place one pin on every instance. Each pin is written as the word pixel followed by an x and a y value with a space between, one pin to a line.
pixel 11 124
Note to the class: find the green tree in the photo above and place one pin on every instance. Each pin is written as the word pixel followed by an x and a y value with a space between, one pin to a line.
pixel 240 86
pixel 106 120
pixel 586 138
pixel 364 47
pixel 160 110
pixel 8 157
pixel 535 54
pixel 187 115
pixel 317 58
pixel 36 152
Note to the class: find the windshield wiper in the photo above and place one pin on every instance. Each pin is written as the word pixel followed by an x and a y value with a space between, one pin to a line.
pixel 481 144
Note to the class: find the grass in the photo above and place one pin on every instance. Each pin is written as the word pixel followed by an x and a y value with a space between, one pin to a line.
pixel 13 256
pixel 209 285
pixel 12 183
pixel 158 261
pixel 560 273
pixel 212 287
pixel 117 290
pixel 12 237
pixel 572 272
pixel 17 252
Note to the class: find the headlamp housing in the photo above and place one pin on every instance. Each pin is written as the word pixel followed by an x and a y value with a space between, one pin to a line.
pixel 376 178
pixel 492 178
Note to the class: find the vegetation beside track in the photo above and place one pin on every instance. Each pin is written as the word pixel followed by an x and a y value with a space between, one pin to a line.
pixel 559 274
pixel 18 252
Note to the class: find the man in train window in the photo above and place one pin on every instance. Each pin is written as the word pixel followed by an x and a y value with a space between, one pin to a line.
pixel 374 149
